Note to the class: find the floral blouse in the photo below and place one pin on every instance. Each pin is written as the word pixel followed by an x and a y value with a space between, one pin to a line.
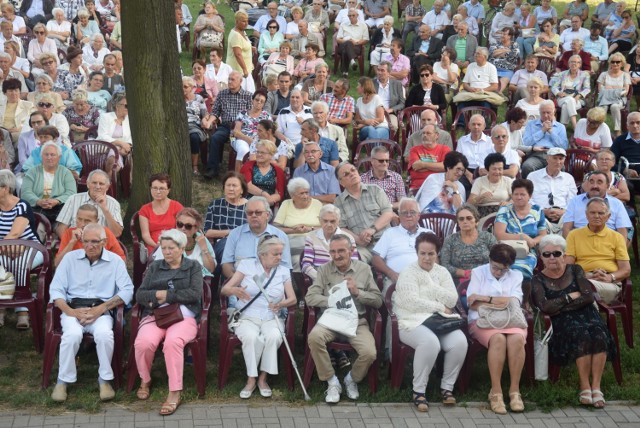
pixel 508 61
pixel 196 110
pixel 87 120
pixel 67 81
pixel 250 124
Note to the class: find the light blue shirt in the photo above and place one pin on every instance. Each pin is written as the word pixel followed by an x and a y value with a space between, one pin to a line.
pixel 534 136
pixel 599 48
pixel 242 243
pixel 424 46
pixel 37 8
pixel 261 24
pixel 576 212
pixel 477 10
pixel 105 278
pixel 69 158
pixel 321 182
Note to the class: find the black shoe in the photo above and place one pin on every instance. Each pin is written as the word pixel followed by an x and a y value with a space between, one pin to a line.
pixel 210 174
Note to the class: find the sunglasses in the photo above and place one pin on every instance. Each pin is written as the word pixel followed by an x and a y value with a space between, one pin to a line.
pixel 616 62
pixel 45 105
pixel 256 213
pixel 548 254
pixel 425 75
pixel 187 226
pixel 272 27
pixel 38 32
pixel 47 62
pixel 382 160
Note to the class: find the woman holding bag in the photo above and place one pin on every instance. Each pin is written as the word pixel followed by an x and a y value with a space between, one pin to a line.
pixel 424 293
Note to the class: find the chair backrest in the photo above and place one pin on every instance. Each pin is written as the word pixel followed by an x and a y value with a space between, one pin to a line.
pixel 93 154
pixel 489 115
pixel 395 151
pixel 17 256
pixel 442 225
pixel 547 66
pixel 43 223
pixel 409 122
pixel 486 223
pixel 577 163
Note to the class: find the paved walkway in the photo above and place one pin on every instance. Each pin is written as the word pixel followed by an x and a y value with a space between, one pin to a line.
pixel 343 415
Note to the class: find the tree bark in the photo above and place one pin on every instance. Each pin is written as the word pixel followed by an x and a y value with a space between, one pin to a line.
pixel 154 95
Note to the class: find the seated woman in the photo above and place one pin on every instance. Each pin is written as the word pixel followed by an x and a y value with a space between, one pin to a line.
pixel 279 61
pixel 570 88
pixel 426 92
pixel 198 247
pixel 298 216
pixel 561 291
pixel 313 88
pixel 468 248
pixel 370 120
pixel 505 56
pixel 205 86
pixel 81 115
pixel 47 186
pixel 442 192
pixel 522 221
pixel 270 41
pixel 114 128
pixel 425 289
pixel 621 39
pixel 577 46
pixel 613 87
pixel 226 213
pixel 593 133
pixel 175 279
pixel 618 187
pixel 159 214
pixel 263 177
pixel 267 130
pixel 13 111
pixel 527 30
pixel 85 28
pixel 17 62
pixel 49 133
pixel 39 45
pixel 260 328
pixel 531 104
pixel 307 65
pixel 491 191
pixel 210 28
pixel 245 130
pixel 93 53
pixel 198 119
pixel 296 15
pixel 381 41
pixel 59 28
pixel 495 283
pixel 96 96
pixel 547 42
pixel 446 72
pixel 44 85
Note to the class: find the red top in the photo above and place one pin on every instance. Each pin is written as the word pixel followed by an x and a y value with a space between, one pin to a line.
pixel 422 154
pixel 247 171
pixel 158 223
pixel 112 242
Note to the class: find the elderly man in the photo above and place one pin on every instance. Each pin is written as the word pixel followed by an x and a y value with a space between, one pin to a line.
pixel 390 91
pixel 427 158
pixel 596 46
pixel 305 37
pixel 464 44
pixel 272 13
pixel 472 23
pixel 541 135
pixel 436 19
pixel 226 107
pixel 425 49
pixel 553 188
pixel 475 144
pixel 390 181
pixel 364 293
pixel 343 18
pixel 320 112
pixel 281 97
pixel 596 187
pixel 603 10
pixel 375 11
pixel 481 77
pixel 500 140
pixel 88 284
pixel 320 175
pixel 341 106
pixel 310 133
pixel 427 117
pixel 351 38
pixel 242 242
pixel 576 31
pixel 109 211
pixel 291 117
pixel 600 251
pixel 627 145
pixel 521 77
pixel 366 207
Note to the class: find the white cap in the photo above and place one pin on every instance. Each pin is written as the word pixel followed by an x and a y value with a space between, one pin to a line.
pixel 554 151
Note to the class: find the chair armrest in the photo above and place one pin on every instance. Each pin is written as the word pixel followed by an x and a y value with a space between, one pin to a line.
pixel 136 314
pixel 312 319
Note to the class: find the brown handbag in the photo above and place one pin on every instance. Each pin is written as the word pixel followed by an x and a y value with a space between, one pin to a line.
pixel 168 315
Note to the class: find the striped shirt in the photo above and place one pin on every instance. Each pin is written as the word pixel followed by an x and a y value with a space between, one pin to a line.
pixel 21 209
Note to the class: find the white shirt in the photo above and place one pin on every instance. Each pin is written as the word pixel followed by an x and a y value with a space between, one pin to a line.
pixel 481 77
pixel 562 187
pixel 288 123
pixel 223 73
pixel 275 290
pixel 510 155
pixel 569 35
pixel 343 18
pixel 483 283
pixel 602 136
pixel 475 151
pixel 436 22
pixel 397 247
pixel 383 93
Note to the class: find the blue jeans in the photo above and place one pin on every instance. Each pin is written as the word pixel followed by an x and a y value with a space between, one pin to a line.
pixel 526 46
pixel 216 146
pixel 373 132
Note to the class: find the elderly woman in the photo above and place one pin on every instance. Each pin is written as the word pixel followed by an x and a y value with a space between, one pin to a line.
pixel 504 54
pixel 205 86
pixel 577 48
pixel 562 291
pixel 93 53
pixel 298 216
pixel 370 119
pixel 245 130
pixel 522 221
pixel 531 103
pixel 198 248
pixel 593 133
pixel 47 186
pixel 621 39
pixel 279 61
pixel 446 73
pixel 313 88
pixel 442 192
pixel 308 65
pixel 160 214
pixel 505 19
pixel 17 63
pixel 198 119
pixel 260 327
pixel 80 115
pixel 59 28
pixel 467 248
pixel 114 127
pixel 547 42
pixel 210 28
pixel 96 96
pixel 267 130
pixel 13 111
pixel 41 44
pixel 613 87
pixel 218 70
pixel 381 40
pixel 570 88
pixel 545 12
pixel 426 93
pixel 264 178
pixel 226 213
pixel 424 290
pixel 292 31
pixel 44 85
pixel 174 279
pixel 71 75
pixel 496 284
pixel 491 191
pixel 270 41
pixel 318 19
pixel 618 187
pixel 9 15
pixel 85 28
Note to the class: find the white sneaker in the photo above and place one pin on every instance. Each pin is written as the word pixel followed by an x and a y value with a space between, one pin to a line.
pixel 333 393
pixel 354 65
pixel 352 388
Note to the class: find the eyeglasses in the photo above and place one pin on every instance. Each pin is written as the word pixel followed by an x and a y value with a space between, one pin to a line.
pixel 38 32
pixel 47 62
pixel 45 105
pixel 381 160
pixel 408 213
pixel 255 213
pixel 496 268
pixel 425 75
pixel 159 189
pixel 262 153
pixel 92 242
pixel 616 62
pixel 548 254
pixel 467 218
pixel 501 137
pixel 181 225
pixel 270 27
pixel 593 122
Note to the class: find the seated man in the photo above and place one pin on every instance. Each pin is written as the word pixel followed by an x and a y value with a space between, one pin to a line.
pixel 464 44
pixel 600 251
pixel 500 140
pixel 351 38
pixel 390 92
pixel 390 181
pixel 437 19
pixel 425 49
pixel 596 46
pixel 481 77
pixel 413 15
pixel 367 210
pixel 521 77
pixel 576 31
pixel 603 10
pixel 109 211
pixel 626 145
pixel 476 143
pixel 320 112
pixel 427 117
pixel 364 292
pixel 272 13
pixel 90 273
pixel 341 106
pixel 320 175
pixel 427 158
pixel 541 135
pixel 281 97
pixel 291 118
pixel 375 11
pixel 309 130
pixel 553 189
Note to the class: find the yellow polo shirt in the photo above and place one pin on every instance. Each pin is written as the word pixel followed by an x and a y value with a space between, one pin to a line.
pixel 597 250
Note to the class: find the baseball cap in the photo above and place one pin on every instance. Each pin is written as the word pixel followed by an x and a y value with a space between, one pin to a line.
pixel 556 151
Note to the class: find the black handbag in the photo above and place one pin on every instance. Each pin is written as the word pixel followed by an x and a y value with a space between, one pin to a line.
pixel 440 324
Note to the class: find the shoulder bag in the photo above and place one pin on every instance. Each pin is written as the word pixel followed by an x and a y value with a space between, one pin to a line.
pixel 168 315
pixel 233 319
pixel 439 324
pixel 510 316
pixel 520 245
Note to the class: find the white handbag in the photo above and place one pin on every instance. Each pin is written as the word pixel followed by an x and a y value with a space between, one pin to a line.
pixel 541 355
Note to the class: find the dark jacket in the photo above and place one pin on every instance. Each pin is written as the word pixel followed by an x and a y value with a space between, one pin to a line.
pixel 416 97
pixel 377 37
pixel 434 52
pixel 47 5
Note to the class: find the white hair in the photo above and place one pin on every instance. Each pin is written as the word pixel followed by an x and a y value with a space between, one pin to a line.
pixel 297 183
pixel 174 235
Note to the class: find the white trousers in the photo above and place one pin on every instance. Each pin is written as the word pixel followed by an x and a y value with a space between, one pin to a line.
pixel 615 114
pixel 72 330
pixel 569 107
pixel 241 147
pixel 374 22
pixel 260 343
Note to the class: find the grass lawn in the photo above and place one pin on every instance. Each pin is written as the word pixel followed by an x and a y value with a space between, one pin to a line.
pixel 20 365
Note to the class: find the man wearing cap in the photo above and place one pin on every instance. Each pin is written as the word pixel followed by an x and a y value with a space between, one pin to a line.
pixel 542 134
pixel 553 189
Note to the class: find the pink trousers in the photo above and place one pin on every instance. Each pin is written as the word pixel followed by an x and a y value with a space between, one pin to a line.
pixel 175 339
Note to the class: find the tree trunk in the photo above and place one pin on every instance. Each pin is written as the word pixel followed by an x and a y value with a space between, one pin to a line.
pixel 155 99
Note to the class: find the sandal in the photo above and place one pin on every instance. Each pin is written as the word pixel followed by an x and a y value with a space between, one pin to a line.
pixel 447 397
pixel 598 399
pixel 497 404
pixel 420 401
pixel 143 392
pixel 169 408
pixel 343 360
pixel 515 402
pixel 585 397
